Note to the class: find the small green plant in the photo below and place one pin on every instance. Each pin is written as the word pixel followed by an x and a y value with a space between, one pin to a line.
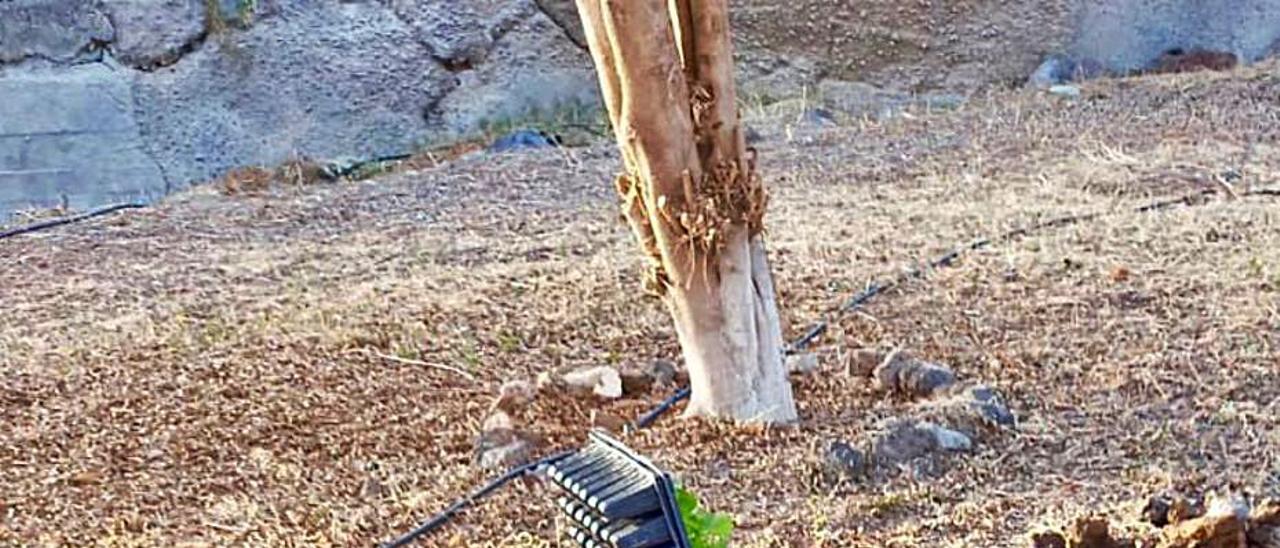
pixel 245 10
pixel 705 529
pixel 509 343
pixel 1256 268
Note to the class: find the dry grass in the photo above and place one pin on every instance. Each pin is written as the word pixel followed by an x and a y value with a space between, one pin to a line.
pixel 206 372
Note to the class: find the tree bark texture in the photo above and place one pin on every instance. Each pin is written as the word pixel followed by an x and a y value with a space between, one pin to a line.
pixel 691 195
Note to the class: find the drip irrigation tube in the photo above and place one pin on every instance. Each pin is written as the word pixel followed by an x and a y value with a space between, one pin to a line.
pixel 448 513
pixel 50 223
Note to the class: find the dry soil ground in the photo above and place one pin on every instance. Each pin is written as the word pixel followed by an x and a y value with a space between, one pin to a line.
pixel 206 372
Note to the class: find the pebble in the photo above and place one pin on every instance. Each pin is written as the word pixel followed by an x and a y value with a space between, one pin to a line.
pixel 841 461
pixel 514 396
pixel 802 363
pixel 602 380
pixel 1068 92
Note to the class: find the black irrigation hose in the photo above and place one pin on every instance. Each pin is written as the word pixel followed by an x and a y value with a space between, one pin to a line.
pixel 948 258
pixel 854 302
pixel 448 513
pixel 646 419
pixel 98 212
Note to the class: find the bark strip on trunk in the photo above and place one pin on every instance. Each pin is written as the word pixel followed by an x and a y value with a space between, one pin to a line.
pixel 691 195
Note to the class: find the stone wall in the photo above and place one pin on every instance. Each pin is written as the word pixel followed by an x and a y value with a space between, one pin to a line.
pixel 119 99
pixel 108 99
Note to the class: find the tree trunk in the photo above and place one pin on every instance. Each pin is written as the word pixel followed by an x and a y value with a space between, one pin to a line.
pixel 691 195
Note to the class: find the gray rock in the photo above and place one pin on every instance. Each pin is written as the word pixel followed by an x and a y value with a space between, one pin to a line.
pixel 55 31
pixel 842 462
pixel 460 34
pixel 565 15
pixel 331 80
pixel 602 380
pixel 900 440
pixel 1056 69
pixel 639 380
pixel 514 396
pixel 500 445
pixel 71 134
pixel 902 373
pixel 663 372
pixel 948 439
pixel 802 363
pixel 987 405
pixel 500 450
pixel 151 32
pixel 530 69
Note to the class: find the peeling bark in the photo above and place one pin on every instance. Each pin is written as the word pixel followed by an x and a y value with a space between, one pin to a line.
pixel 691 195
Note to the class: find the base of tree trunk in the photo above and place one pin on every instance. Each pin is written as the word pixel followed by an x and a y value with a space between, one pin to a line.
pixel 732 338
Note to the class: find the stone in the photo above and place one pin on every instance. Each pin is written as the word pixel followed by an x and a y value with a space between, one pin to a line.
pixel 71 135
pixel 899 372
pixel 565 15
pixel 523 139
pixel 496 452
pixel 53 31
pixel 842 462
pixel 664 372
pixel 500 445
pixel 603 381
pixel 639 380
pixel 529 67
pixel 1156 511
pixel 948 439
pixel 970 408
pixel 514 396
pixel 154 32
pixel 863 362
pixel 1065 91
pixel 802 363
pixel 635 380
pixel 322 80
pixel 1056 69
pixel 898 441
pixel 987 405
